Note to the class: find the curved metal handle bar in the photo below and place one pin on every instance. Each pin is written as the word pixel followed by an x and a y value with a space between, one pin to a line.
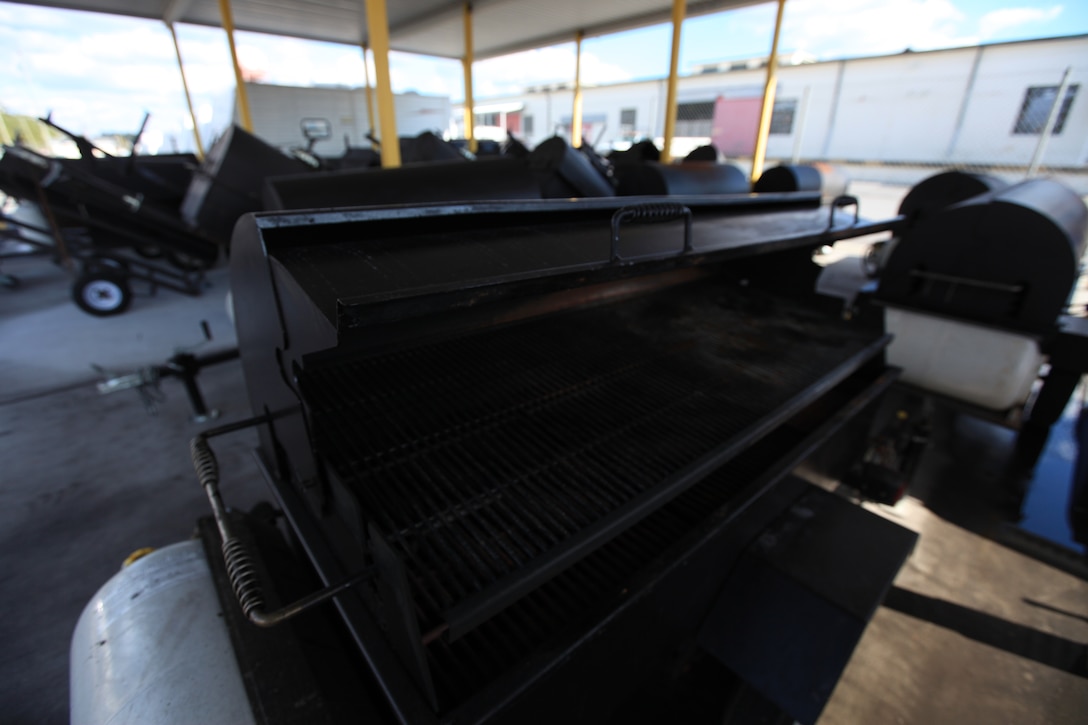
pixel 838 203
pixel 239 563
pixel 650 213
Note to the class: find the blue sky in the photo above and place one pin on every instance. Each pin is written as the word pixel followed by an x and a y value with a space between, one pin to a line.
pixel 99 73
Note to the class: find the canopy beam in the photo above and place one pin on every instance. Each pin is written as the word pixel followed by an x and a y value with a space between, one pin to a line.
pixel 174 10
pixel 466 62
pixel 678 10
pixel 188 96
pixel 243 100
pixel 769 88
pixel 576 115
pixel 377 23
pixel 369 93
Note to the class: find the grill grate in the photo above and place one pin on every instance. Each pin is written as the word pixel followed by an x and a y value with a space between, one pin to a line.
pixel 468 665
pixel 478 456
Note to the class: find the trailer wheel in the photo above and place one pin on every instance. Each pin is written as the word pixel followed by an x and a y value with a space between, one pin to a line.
pixel 102 293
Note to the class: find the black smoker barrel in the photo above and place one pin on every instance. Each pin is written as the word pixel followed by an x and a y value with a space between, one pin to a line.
pixel 707 152
pixel 228 184
pixel 651 178
pixel 427 147
pixel 800 177
pixel 945 189
pixel 1007 258
pixel 789 178
pixel 566 172
pixel 496 178
pixel 644 150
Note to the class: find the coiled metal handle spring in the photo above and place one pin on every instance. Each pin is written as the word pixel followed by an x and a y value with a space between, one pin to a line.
pixel 243 576
pixel 240 566
pixel 650 213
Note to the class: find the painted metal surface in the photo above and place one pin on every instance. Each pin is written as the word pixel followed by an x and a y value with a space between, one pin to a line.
pixel 151 647
pixel 243 102
pixel 678 10
pixel 188 96
pixel 466 63
pixel 987 367
pixel 378 26
pixel 769 89
pixel 576 113
pixel 369 92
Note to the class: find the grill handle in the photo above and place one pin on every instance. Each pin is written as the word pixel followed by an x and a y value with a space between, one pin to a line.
pixel 650 213
pixel 240 566
pixel 841 202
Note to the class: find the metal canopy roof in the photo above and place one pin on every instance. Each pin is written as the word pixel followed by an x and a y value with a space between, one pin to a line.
pixel 430 27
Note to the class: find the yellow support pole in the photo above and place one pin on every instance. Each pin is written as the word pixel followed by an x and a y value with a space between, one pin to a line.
pixel 377 24
pixel 678 10
pixel 466 62
pixel 243 100
pixel 769 88
pixel 369 93
pixel 188 96
pixel 6 136
pixel 576 115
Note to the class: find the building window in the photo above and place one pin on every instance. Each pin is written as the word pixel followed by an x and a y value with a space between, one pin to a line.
pixel 628 117
pixel 695 119
pixel 1038 100
pixel 527 125
pixel 782 116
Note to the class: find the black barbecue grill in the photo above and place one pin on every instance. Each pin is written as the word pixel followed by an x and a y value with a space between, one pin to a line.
pixel 565 430
pixel 536 419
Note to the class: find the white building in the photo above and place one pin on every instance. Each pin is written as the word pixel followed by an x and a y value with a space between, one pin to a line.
pixel 278 111
pixel 982 105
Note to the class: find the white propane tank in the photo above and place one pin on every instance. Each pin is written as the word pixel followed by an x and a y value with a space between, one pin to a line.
pixel 151 647
pixel 990 368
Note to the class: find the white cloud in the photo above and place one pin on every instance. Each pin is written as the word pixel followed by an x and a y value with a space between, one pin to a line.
pixel 865 27
pixel 430 76
pixel 997 21
pixel 98 74
pixel 294 62
pixel 512 73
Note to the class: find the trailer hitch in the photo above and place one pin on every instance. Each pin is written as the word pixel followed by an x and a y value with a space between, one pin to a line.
pixel 183 365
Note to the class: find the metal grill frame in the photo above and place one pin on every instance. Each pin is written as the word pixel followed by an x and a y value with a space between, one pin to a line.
pixel 410 311
pixel 416 479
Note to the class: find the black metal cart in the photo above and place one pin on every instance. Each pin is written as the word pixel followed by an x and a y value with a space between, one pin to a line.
pixel 110 234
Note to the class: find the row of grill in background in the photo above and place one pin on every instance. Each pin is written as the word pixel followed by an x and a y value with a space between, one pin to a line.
pixel 165 219
pixel 552 170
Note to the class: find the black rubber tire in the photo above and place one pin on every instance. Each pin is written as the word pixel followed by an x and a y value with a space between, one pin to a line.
pixel 102 292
